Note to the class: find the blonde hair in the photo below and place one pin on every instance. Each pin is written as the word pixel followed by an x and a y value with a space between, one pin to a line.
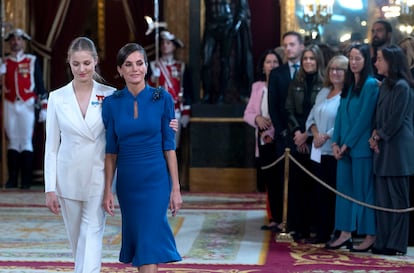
pixel 85 44
pixel 341 62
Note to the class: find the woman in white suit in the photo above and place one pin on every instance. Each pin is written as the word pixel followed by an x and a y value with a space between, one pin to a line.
pixel 74 156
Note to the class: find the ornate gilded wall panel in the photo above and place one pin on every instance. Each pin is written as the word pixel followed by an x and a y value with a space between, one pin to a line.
pixel 15 13
pixel 176 14
pixel 288 19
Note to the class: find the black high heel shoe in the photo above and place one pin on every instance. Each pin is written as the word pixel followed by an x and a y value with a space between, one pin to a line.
pixel 271 227
pixel 352 249
pixel 347 243
pixel 387 251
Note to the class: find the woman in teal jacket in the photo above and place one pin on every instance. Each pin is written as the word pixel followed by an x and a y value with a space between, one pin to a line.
pixel 353 127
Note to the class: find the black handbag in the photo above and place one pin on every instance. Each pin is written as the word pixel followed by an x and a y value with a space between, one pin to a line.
pixel 267 154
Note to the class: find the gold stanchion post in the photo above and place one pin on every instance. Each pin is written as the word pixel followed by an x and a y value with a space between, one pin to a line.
pixel 284 236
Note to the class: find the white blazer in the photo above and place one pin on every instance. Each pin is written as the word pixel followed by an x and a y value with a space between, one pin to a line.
pixel 75 146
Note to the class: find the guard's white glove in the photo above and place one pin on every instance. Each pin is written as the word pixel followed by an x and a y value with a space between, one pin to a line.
pixel 184 120
pixel 185 115
pixel 2 67
pixel 42 115
pixel 156 72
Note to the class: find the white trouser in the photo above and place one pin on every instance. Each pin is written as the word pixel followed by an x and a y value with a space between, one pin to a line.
pixel 19 117
pixel 85 224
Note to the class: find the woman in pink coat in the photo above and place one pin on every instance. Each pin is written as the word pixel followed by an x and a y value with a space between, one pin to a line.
pixel 256 114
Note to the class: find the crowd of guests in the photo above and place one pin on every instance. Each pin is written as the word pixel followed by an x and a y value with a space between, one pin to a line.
pixel 347 115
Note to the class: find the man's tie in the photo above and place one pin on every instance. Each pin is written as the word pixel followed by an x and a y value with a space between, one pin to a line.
pixel 295 69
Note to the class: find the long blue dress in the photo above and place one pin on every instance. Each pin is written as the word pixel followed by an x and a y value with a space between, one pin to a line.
pixel 143 181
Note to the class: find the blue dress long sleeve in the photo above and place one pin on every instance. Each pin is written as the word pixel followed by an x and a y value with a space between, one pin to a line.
pixel 143 181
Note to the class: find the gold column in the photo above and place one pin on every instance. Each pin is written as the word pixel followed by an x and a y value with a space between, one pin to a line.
pixel 288 20
pixel 15 13
pixel 176 14
pixel 101 27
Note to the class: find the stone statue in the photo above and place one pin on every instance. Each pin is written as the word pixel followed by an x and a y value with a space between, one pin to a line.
pixel 227 21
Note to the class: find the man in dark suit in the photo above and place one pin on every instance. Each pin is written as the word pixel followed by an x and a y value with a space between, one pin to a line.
pixel 381 36
pixel 279 81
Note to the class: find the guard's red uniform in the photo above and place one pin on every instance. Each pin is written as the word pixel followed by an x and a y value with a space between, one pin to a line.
pixel 170 79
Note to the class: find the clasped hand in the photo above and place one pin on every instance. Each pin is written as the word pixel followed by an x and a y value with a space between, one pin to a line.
pixel 263 123
pixel 339 151
pixel 373 143
pixel 319 140
pixel 300 142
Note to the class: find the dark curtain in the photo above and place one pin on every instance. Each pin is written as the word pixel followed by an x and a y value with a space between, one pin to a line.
pixel 54 24
pixel 118 32
pixel 265 26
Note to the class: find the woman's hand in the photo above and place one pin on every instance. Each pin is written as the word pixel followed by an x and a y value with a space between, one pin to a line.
pixel 319 140
pixel 52 203
pixel 336 151
pixel 303 149
pixel 263 123
pixel 343 149
pixel 373 142
pixel 174 124
pixel 175 202
pixel 108 203
pixel 300 138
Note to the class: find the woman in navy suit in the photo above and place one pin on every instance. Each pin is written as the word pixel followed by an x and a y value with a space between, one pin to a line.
pixel 353 127
pixel 393 143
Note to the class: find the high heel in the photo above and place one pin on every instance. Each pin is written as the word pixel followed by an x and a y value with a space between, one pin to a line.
pixel 352 249
pixel 347 243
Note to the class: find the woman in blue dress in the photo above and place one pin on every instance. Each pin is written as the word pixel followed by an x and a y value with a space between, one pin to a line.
pixel 141 146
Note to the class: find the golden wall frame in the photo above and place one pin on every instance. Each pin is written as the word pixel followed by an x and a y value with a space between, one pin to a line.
pixel 288 19
pixel 15 14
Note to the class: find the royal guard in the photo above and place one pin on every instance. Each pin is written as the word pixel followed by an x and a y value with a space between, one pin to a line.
pixel 24 93
pixel 171 74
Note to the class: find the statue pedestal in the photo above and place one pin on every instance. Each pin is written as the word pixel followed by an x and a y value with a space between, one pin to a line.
pixel 222 150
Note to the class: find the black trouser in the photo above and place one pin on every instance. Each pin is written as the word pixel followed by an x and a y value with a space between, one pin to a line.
pixel 26 158
pixel 13 167
pixel 324 199
pixel 411 230
pixel 300 212
pixel 275 189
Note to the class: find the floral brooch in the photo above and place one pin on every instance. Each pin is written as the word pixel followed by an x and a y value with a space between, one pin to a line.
pixel 156 94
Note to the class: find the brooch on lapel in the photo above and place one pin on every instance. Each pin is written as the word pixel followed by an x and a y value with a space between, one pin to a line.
pixel 99 100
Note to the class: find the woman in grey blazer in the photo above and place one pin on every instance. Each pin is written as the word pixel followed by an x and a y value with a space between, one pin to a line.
pixel 393 143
